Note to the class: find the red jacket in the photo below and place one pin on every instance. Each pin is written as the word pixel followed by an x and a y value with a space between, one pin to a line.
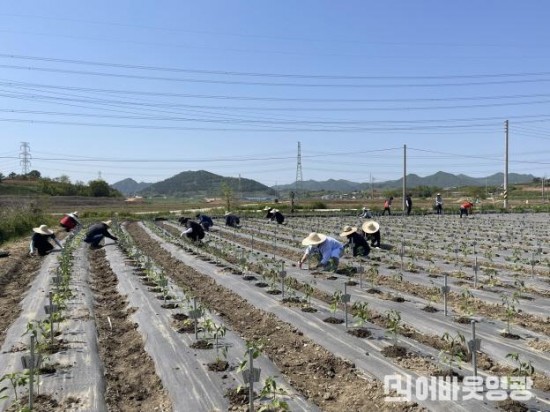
pixel 466 205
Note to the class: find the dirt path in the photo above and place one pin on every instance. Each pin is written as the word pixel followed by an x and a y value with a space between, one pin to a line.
pixel 328 381
pixel 16 273
pixel 131 382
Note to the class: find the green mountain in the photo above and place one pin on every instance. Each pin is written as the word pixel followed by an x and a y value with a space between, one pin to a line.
pixel 130 186
pixel 439 179
pixel 203 183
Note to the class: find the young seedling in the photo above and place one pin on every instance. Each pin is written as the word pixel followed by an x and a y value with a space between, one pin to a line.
pixel 374 275
pixel 393 324
pixel 510 303
pixel 17 380
pixel 523 368
pixel 271 391
pixel 335 301
pixel 361 312
pixel 308 293
pixel 466 303
pixel 453 352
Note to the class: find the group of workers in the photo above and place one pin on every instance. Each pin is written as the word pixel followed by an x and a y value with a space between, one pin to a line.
pixel 43 236
pixel 330 250
pixel 195 230
pixel 465 207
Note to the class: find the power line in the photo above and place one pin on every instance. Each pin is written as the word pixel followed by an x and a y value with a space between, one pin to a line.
pixel 271 99
pixel 257 74
pixel 270 84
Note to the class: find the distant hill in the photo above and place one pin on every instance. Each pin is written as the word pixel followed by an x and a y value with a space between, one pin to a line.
pixel 203 183
pixel 130 186
pixel 439 179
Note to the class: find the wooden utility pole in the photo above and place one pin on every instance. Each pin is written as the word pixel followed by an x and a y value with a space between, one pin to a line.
pixel 404 178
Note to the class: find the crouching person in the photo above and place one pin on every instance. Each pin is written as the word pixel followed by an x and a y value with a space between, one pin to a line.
pixel 232 220
pixel 329 248
pixel 194 231
pixel 96 233
pixel 40 241
pixel 360 246
pixel 69 221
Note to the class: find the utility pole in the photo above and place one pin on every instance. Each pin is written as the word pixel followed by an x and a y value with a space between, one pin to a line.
pixel 299 176
pixel 506 127
pixel 240 192
pixel 25 157
pixel 404 178
pixel 371 187
pixel 543 179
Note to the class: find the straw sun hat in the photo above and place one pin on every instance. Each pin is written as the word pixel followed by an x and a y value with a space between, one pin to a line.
pixel 370 226
pixel 348 230
pixel 107 222
pixel 227 213
pixel 267 208
pixel 314 239
pixel 43 230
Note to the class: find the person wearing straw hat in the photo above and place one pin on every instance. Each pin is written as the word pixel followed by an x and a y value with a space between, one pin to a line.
pixel 366 213
pixel 274 214
pixel 359 244
pixel 40 241
pixel 96 233
pixel 69 221
pixel 372 232
pixel 232 220
pixel 329 248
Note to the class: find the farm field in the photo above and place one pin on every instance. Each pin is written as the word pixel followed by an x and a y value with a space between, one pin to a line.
pixel 156 323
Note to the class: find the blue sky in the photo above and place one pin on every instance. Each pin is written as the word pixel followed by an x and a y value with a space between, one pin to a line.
pixel 149 89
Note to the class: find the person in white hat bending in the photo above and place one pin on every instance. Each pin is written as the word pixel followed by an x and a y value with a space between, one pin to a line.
pixel 40 241
pixel 97 232
pixel 274 214
pixel 366 213
pixel 372 232
pixel 69 221
pixel 359 244
pixel 330 249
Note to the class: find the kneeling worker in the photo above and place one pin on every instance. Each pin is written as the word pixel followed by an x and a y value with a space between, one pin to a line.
pixel 329 248
pixel 194 230
pixel 355 240
pixel 40 240
pixel 372 232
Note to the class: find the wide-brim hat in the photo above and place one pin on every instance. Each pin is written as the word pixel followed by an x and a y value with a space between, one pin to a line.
pixel 267 208
pixel 43 230
pixel 348 230
pixel 314 239
pixel 274 210
pixel 370 226
pixel 75 213
pixel 107 222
